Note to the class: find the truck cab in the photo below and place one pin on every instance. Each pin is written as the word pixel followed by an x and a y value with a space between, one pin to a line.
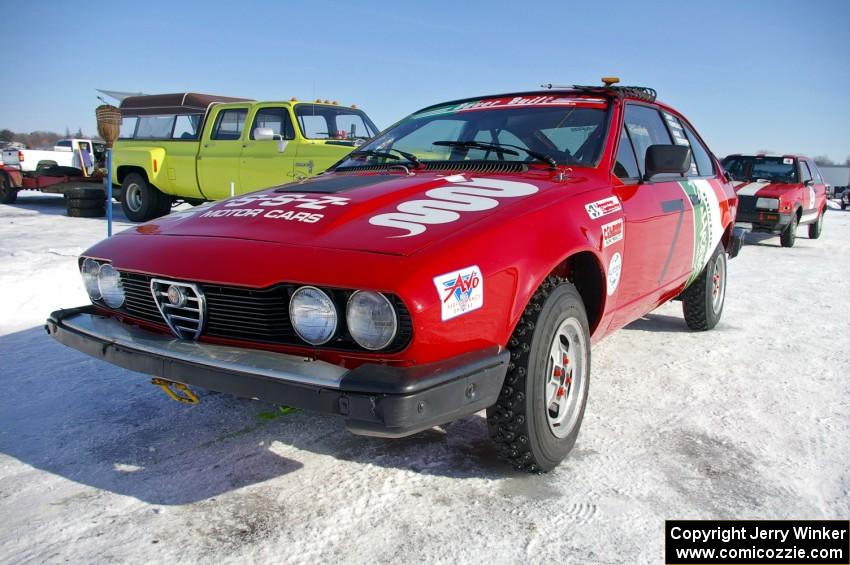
pixel 199 148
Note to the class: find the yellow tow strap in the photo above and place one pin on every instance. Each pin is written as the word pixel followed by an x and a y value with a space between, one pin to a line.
pixel 177 391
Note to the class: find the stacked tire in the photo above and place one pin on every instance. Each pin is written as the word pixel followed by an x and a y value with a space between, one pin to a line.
pixel 86 202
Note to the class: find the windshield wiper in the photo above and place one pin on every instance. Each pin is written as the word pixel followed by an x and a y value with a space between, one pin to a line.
pixel 387 155
pixel 499 148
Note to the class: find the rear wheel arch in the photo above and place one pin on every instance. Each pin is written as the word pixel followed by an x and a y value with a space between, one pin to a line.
pixel 124 170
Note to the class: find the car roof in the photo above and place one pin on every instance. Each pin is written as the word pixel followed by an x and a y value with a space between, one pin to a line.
pixel 770 155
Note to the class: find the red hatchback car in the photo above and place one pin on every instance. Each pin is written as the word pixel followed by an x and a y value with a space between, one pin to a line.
pixel 463 259
pixel 778 193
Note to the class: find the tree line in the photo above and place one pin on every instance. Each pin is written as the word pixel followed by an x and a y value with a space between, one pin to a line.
pixel 40 139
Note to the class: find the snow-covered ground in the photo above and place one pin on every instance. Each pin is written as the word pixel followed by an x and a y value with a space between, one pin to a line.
pixel 751 420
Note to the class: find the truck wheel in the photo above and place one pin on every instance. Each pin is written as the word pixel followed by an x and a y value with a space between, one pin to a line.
pixel 8 194
pixel 789 236
pixel 537 418
pixel 843 205
pixel 816 228
pixel 139 200
pixel 165 203
pixel 702 302
pixel 85 203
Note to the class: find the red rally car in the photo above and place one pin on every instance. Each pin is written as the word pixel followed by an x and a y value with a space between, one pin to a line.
pixel 778 193
pixel 463 259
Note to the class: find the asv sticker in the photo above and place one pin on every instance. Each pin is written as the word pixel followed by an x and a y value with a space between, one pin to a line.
pixel 603 207
pixel 615 269
pixel 460 291
pixel 612 233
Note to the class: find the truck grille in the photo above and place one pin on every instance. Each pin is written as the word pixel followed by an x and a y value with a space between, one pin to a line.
pixel 258 315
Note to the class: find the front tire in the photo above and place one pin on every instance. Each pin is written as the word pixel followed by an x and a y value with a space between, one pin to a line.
pixel 140 201
pixel 703 301
pixel 789 236
pixel 816 228
pixel 537 418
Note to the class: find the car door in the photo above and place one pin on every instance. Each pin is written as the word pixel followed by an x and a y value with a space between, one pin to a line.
pixel 221 151
pixel 658 226
pixel 268 162
pixel 814 191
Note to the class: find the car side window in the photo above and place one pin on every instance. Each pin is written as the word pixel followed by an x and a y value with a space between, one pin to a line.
pixel 229 124
pixel 275 118
pixel 704 162
pixel 679 138
pixel 805 173
pixel 626 166
pixel 645 128
pixel 816 173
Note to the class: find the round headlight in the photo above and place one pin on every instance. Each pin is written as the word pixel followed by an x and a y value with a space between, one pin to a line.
pixel 109 283
pixel 313 315
pixel 372 320
pixel 89 270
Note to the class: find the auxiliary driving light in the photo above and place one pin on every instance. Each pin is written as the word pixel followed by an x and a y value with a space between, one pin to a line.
pixel 372 320
pixel 313 315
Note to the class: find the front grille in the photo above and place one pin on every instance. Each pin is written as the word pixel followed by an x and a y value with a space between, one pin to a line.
pixel 181 305
pixel 258 315
pixel 747 204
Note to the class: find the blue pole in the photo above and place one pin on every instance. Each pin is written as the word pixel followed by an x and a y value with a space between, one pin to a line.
pixel 109 192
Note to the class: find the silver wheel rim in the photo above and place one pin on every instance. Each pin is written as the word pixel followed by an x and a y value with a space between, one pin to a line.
pixel 718 284
pixel 133 197
pixel 565 378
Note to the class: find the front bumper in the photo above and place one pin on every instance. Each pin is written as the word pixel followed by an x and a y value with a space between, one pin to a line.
pixel 374 399
pixel 763 221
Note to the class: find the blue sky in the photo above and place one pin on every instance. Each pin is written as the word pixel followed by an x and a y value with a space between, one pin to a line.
pixel 749 75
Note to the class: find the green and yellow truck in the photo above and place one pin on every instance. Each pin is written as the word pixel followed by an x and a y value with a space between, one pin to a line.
pixel 199 147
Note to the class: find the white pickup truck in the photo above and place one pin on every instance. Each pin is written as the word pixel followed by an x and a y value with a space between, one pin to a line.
pixel 77 153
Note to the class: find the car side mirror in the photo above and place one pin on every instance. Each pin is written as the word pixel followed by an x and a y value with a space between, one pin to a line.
pixel 810 182
pixel 666 159
pixel 263 134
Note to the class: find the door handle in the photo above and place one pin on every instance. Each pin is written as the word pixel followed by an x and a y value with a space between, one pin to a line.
pixel 308 164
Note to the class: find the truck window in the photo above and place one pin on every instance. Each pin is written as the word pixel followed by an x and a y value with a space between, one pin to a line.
pixel 63 143
pixel 333 122
pixel 128 127
pixel 275 118
pixel 154 127
pixel 186 127
pixel 229 124
pixel 645 128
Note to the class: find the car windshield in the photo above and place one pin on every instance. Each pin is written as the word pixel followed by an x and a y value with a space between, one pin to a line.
pixel 333 122
pixel 567 130
pixel 773 169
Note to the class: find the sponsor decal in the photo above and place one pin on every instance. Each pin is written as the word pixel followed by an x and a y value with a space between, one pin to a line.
pixel 615 269
pixel 706 219
pixel 787 161
pixel 445 203
pixel 271 207
pixel 603 207
pixel 517 101
pixel 612 233
pixel 460 292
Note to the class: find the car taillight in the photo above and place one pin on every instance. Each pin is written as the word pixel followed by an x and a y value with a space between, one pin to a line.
pixel 20 156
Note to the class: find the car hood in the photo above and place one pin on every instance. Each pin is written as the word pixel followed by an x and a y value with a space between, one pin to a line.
pixel 765 189
pixel 384 213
